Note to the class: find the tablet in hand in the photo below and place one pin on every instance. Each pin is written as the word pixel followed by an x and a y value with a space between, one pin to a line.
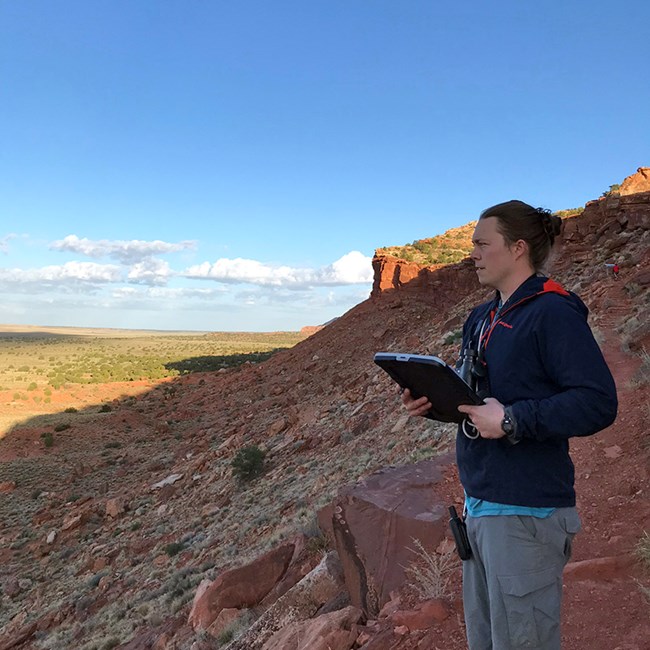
pixel 431 377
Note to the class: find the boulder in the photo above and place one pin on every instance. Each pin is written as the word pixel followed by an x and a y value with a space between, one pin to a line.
pixel 374 525
pixel 301 602
pixel 241 587
pixel 115 507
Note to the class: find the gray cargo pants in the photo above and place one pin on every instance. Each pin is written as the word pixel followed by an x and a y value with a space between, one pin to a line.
pixel 512 585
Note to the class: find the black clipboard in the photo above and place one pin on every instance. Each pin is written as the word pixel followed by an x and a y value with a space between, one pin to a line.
pixel 430 376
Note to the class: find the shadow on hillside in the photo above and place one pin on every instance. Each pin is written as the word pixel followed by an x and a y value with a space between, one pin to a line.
pixel 65 418
pixel 212 363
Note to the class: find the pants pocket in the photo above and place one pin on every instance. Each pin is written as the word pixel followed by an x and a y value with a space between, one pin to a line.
pixel 571 526
pixel 532 607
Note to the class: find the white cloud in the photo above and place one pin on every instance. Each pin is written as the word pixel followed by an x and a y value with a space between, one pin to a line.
pixel 68 273
pixel 128 252
pixel 353 268
pixel 151 271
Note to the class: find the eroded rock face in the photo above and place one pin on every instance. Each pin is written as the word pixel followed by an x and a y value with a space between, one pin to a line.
pixel 443 283
pixel 374 525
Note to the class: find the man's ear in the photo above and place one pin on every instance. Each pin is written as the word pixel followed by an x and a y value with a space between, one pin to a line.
pixel 519 248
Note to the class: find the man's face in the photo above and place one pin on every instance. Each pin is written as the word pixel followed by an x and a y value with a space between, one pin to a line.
pixel 492 257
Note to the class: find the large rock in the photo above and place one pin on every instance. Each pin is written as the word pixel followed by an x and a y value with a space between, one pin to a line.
pixel 301 602
pixel 333 631
pixel 374 525
pixel 241 587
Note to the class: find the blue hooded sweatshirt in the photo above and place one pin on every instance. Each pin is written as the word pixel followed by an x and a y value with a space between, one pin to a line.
pixel 542 361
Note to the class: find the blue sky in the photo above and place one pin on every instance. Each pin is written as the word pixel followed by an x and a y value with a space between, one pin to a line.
pixel 216 165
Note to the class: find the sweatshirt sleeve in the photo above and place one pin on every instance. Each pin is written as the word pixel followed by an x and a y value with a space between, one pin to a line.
pixel 584 400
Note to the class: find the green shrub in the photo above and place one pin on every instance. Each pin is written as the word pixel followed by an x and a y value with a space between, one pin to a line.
pixel 613 190
pixel 48 438
pixel 173 548
pixel 61 427
pixel 70 409
pixel 32 386
pixel 105 408
pixel 248 463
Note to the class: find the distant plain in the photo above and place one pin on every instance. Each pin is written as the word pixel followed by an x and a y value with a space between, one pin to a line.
pixel 46 370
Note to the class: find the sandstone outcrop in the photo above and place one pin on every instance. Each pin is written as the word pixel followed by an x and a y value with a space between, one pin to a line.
pixel 637 182
pixel 375 523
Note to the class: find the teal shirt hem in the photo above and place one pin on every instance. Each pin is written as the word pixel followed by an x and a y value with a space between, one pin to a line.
pixel 480 508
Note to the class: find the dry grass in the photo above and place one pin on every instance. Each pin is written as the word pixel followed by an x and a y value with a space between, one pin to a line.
pixel 430 573
pixel 642 549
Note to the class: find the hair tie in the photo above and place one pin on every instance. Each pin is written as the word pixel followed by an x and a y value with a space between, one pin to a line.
pixel 547 222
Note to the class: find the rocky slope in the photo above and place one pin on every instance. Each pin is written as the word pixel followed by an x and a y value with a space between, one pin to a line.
pixel 107 536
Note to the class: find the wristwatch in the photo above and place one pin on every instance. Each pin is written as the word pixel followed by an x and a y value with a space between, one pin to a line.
pixel 509 426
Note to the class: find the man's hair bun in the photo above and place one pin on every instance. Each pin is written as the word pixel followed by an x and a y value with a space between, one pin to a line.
pixel 551 223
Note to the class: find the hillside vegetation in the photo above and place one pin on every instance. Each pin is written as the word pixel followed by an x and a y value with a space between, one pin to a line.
pixel 448 248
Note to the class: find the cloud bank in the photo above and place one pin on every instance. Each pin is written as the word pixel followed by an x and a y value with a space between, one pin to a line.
pixel 127 252
pixel 353 268
pixel 136 287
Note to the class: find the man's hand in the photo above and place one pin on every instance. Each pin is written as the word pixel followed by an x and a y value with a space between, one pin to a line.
pixel 486 417
pixel 415 407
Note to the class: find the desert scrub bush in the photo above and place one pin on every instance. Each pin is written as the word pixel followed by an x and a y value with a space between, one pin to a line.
pixel 48 438
pixel 173 548
pixel 613 190
pixel 61 427
pixel 70 409
pixel 248 463
pixel 105 408
pixel 429 573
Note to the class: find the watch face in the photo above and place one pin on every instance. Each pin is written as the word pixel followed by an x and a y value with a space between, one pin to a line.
pixel 506 425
